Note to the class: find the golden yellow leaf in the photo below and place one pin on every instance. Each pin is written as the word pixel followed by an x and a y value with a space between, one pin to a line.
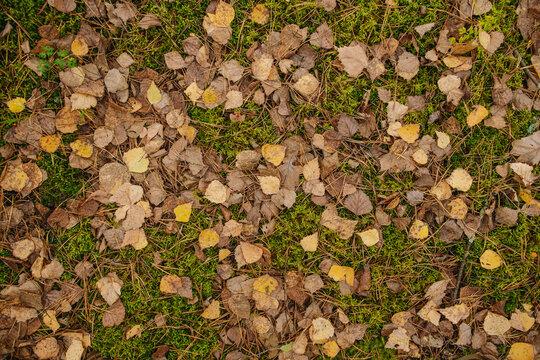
pixel 14 178
pixel 419 230
pixel 265 284
pixel 50 143
pixel 521 351
pixel 79 47
pixel 457 209
pixel 477 115
pixel 310 242
pixel 331 349
pixel 460 180
pixel 188 131
pixel 409 133
pixel 82 148
pixel 193 91
pixel 490 260
pixel 340 273
pixel 16 105
pixel 208 238
pixel 274 154
pixel 212 311
pixel 153 94
pixel 259 14
pixel 370 237
pixel 223 254
pixel 137 160
pixel 224 15
pixel 183 212
pixel 210 97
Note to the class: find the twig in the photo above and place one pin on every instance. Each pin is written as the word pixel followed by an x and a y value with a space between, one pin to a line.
pixel 526 68
pixel 462 268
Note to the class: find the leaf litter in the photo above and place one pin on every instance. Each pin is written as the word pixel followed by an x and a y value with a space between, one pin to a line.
pixel 140 135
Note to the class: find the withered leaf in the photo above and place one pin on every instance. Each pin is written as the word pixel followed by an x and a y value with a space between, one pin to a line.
pixel 331 220
pixel 114 315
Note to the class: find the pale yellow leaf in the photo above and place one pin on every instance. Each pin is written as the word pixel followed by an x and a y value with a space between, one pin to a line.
pixel 495 324
pixel 50 143
pixel 460 180
pixel 223 16
pixel 269 184
pixel 137 160
pixel 79 47
pixel 310 242
pixel 153 94
pixel 443 139
pixel 193 91
pixel 331 349
pixel 183 212
pixel 16 105
pixel 370 237
pixel 457 209
pixel 265 284
pixel 223 254
pixel 82 148
pixel 521 351
pixel 490 260
pixel 208 238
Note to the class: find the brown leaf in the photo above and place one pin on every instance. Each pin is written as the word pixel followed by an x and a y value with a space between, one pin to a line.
pixel 114 315
pixel 323 37
pixel 528 149
pixel 64 6
pixel 110 287
pixel 354 59
pixel 173 284
pixel 331 220
pixel 358 203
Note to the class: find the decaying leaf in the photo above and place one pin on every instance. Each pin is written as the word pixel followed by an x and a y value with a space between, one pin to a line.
pixel 259 14
pixel 460 180
pixel 310 242
pixel 370 237
pixel 331 220
pixel 490 260
pixel 173 284
pixel 212 311
pixel 321 330
pixel 419 230
pixel 521 351
pixel 110 287
pixel 208 238
pixel 495 324
pixel 137 160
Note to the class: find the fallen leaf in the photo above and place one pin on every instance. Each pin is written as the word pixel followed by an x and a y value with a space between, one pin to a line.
pixel 398 340
pixel 490 260
pixel 269 184
pixel 113 316
pixel 331 220
pixel 273 153
pixel 342 273
pixel 82 148
pixel 477 115
pixel 208 238
pixel 443 139
pixel 528 149
pixel 307 85
pixel 153 94
pixel 79 47
pixel 331 349
pixel 216 192
pixel 460 180
pixel 47 348
pixel 354 59
pixel 50 143
pixel 64 6
pixel 173 284
pixel 265 284
pixel 223 16
pixel 495 324
pixel 409 133
pixel 137 160
pixel 419 230
pixel 183 212
pixel 259 14
pixel 310 242
pixel 457 209
pixel 110 287
pixel 358 203
pixel 13 178
pixel 456 313
pixel 16 105
pixel 251 253
pixel 370 237
pixel 521 351
pixel 212 311
pixel 321 330
pixel 521 321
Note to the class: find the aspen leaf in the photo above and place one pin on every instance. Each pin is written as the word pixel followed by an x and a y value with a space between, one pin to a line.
pixel 223 16
pixel 321 330
pixel 311 170
pixel 269 184
pixel 216 192
pixel 50 143
pixel 82 148
pixel 409 133
pixel 110 287
pixel 153 94
pixel 420 157
pixel 460 180
pixel 208 238
pixel 456 313
pixel 490 260
pixel 370 237
pixel 212 311
pixel 457 209
pixel 340 273
pixel 310 242
pixel 265 284
pixel 16 105
pixel 223 254
pixel 331 349
pixel 419 230
pixel 477 115
pixel 183 212
pixel 137 160
pixel 259 14
pixel 14 178
pixel 495 324
pixel 274 154
pixel 521 351
pixel 79 47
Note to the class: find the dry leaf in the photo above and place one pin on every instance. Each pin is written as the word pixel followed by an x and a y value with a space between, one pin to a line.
pixel 460 180
pixel 331 349
pixel 370 237
pixel 113 316
pixel 310 242
pixel 183 212
pixel 331 220
pixel 490 260
pixel 495 324
pixel 82 148
pixel 47 348
pixel 321 330
pixel 14 178
pixel 354 59
pixel 110 287
pixel 342 273
pixel 16 105
pixel 521 351
pixel 259 14
pixel 216 192
pixel 137 160
pixel 173 284
pixel 419 230
pixel 223 16
pixel 398 339
pixel 528 149
pixel 456 313
pixel 208 238
pixel 457 209
pixel 79 47
pixel 269 184
pixel 274 154
pixel 521 321
pixel 50 143
pixel 212 311
pixel 409 133
pixel 477 115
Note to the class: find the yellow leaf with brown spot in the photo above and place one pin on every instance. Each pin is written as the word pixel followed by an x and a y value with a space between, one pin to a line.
pixel 409 133
pixel 50 143
pixel 457 209
pixel 490 260
pixel 82 148
pixel 208 238
pixel 259 14
pixel 477 115
pixel 521 351
pixel 136 330
pixel 79 47
pixel 16 105
pixel 223 16
pixel 265 284
pixel 210 97
pixel 14 178
pixel 183 212
pixel 212 311
pixel 273 153
pixel 419 230
pixel 340 273
pixel 153 94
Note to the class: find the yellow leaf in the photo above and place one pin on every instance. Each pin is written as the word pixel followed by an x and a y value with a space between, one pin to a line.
pixel 210 97
pixel 521 351
pixel 409 133
pixel 188 131
pixel 212 311
pixel 443 139
pixel 223 254
pixel 331 349
pixel 259 14
pixel 134 331
pixel 49 319
pixel 340 273
pixel 79 47
pixel 490 260
pixel 50 143
pixel 460 180
pixel 16 105
pixel 183 212
pixel 82 148
pixel 193 91
pixel 208 238
pixel 457 209
pixel 370 237
pixel 137 160
pixel 153 94
pixel 310 242
pixel 419 230
pixel 265 284
pixel 224 15
pixel 274 154
pixel 14 178
pixel 477 115
pixel 420 157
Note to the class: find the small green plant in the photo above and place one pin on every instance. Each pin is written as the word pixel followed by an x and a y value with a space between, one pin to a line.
pixel 48 57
